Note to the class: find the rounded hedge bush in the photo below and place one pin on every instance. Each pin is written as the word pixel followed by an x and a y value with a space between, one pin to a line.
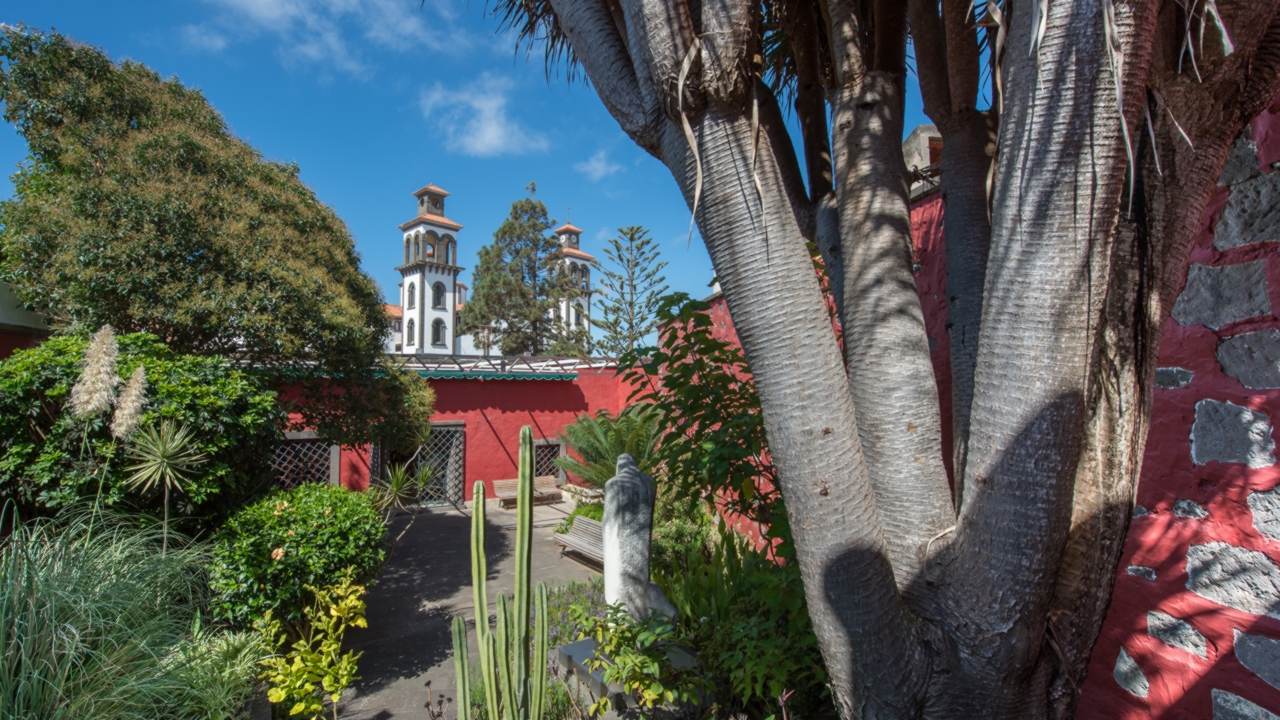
pixel 269 552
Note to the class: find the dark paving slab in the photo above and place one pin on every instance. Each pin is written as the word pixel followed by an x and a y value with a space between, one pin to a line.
pixel 425 583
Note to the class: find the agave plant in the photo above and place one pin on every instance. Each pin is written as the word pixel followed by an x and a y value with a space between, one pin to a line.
pixel 163 456
pixel 599 440
pixel 401 487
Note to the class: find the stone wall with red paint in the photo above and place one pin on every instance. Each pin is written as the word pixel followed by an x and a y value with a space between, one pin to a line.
pixel 1193 630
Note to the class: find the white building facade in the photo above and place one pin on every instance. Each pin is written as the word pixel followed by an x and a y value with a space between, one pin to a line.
pixel 575 312
pixel 429 277
pixel 431 297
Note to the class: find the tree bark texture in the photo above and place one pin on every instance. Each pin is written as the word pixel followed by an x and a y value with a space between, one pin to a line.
pixel 993 618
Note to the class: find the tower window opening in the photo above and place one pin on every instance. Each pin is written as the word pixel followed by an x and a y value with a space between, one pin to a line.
pixel 413 291
pixel 408 334
pixel 437 295
pixel 437 332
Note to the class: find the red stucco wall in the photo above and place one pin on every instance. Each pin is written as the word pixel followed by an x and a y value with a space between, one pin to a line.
pixel 495 410
pixel 1181 683
pixel 16 341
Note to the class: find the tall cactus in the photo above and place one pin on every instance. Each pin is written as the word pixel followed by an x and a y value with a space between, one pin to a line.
pixel 513 665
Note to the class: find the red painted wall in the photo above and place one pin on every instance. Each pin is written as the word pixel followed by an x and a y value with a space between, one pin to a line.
pixel 1181 682
pixel 15 341
pixel 495 410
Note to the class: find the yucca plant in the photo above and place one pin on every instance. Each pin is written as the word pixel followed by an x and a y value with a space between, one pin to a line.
pixel 163 456
pixel 399 488
pixel 598 441
pixel 513 656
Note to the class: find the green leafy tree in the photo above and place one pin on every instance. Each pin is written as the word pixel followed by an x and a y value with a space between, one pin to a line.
pixel 519 287
pixel 138 208
pixel 631 292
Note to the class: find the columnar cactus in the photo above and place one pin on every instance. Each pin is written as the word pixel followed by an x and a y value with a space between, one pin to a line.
pixel 515 679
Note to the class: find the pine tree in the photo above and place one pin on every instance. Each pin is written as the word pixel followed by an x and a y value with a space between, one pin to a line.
pixel 518 286
pixel 631 290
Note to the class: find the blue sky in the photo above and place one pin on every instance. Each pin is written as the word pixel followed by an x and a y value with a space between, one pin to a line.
pixel 375 98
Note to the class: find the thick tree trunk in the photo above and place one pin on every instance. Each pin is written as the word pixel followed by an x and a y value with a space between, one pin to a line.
pixel 890 374
pixel 1056 206
pixel 868 636
pixel 968 150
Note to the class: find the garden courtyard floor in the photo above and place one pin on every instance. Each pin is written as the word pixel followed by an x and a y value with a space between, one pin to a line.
pixel 424 584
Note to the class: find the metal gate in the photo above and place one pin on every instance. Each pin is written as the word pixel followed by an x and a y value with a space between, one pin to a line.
pixel 296 462
pixel 443 457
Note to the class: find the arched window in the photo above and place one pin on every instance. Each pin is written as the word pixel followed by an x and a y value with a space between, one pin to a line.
pixel 406 251
pixel 414 256
pixel 408 332
pixel 586 278
pixel 448 250
pixel 437 332
pixel 577 317
pixel 429 246
pixel 413 292
pixel 437 295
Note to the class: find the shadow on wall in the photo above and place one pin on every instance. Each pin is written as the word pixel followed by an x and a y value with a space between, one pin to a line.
pixel 1193 630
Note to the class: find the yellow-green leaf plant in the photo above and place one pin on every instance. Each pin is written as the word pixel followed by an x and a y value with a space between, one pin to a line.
pixel 513 656
pixel 315 666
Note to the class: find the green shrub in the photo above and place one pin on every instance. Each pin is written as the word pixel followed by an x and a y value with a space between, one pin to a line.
pixel 594 511
pixel 97 622
pixel 598 441
pixel 746 616
pixel 268 553
pixel 681 528
pixel 49 458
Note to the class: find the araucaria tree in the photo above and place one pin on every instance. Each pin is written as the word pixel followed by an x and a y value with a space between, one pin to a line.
pixel 1069 243
pixel 139 209
pixel 520 286
pixel 630 291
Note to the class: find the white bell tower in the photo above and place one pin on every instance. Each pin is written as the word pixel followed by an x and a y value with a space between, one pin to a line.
pixel 429 277
pixel 575 313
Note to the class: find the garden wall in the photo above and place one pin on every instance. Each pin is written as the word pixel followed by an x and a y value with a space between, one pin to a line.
pixel 1193 630
pixel 492 413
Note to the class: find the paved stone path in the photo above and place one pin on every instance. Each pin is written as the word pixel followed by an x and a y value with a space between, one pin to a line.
pixel 425 583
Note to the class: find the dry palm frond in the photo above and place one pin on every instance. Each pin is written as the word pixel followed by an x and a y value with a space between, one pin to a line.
pixel 94 392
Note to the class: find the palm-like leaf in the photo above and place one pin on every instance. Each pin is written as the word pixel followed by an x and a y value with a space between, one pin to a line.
pixel 165 457
pixel 599 440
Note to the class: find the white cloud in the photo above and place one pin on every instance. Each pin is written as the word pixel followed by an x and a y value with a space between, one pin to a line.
pixel 473 119
pixel 597 167
pixel 201 38
pixel 330 32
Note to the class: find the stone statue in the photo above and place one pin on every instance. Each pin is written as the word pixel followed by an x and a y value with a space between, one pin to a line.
pixel 627 527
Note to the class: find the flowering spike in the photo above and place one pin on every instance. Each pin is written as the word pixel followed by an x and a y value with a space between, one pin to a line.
pixel 94 392
pixel 129 408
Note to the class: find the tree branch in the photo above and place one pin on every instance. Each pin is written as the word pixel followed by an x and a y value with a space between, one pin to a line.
pixel 868 636
pixel 890 375
pixel 591 29
pixel 811 106
pixel 775 131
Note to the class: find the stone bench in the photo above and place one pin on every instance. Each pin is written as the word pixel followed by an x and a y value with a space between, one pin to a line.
pixel 545 489
pixel 585 537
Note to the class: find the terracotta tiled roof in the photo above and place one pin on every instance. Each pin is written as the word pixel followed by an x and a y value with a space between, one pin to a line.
pixel 577 253
pixel 461 285
pixel 430 188
pixel 395 311
pixel 567 228
pixel 437 220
